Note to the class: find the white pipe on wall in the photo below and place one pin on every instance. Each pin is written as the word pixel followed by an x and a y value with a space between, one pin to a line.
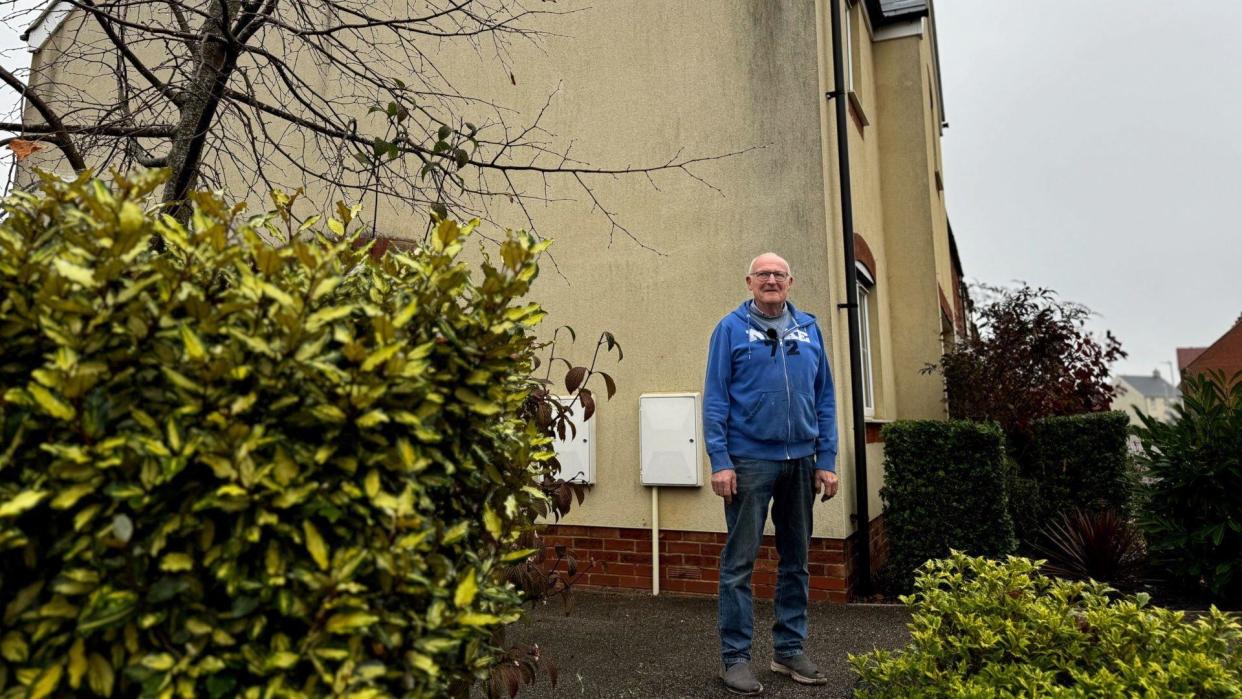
pixel 655 541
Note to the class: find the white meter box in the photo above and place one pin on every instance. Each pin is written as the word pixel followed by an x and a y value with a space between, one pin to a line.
pixel 576 453
pixel 670 439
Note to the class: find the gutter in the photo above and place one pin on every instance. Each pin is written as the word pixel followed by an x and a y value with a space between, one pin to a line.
pixel 851 305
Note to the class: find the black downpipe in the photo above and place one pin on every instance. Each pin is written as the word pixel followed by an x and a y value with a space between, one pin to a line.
pixel 851 297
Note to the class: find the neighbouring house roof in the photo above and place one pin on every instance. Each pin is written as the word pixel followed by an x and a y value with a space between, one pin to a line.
pixel 1223 355
pixel 1187 355
pixel 1151 386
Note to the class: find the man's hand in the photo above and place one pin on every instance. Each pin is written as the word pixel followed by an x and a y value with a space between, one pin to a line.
pixel 724 484
pixel 825 483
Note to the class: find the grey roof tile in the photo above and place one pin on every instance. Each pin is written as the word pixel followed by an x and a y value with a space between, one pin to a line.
pixel 1151 386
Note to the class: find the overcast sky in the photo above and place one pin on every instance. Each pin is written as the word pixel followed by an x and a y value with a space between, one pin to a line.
pixel 1095 147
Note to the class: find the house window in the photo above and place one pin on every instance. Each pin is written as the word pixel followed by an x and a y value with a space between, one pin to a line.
pixel 866 286
pixel 847 19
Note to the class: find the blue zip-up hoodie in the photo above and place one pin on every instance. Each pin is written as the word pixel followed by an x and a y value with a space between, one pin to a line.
pixel 768 398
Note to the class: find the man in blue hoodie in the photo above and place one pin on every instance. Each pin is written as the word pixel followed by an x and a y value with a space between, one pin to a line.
pixel 770 416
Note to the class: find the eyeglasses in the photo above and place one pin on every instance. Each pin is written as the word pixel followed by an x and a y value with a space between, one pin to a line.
pixel 777 276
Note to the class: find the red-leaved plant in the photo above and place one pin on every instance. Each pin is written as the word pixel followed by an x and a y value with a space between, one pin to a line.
pixel 1033 358
pixel 1098 545
pixel 541 576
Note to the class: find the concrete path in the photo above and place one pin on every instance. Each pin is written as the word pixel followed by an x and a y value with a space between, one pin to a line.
pixel 636 646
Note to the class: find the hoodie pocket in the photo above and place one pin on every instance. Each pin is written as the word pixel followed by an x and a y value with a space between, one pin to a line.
pixel 767 419
pixel 803 424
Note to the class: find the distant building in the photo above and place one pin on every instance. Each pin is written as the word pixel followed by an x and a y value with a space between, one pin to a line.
pixel 1224 355
pixel 1151 395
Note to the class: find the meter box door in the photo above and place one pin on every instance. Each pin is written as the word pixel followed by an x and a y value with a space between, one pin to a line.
pixel 670 439
pixel 576 453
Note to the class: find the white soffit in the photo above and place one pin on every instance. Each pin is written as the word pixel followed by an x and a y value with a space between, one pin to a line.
pixel 46 24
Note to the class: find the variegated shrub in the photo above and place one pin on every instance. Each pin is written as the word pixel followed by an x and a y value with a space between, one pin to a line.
pixel 245 469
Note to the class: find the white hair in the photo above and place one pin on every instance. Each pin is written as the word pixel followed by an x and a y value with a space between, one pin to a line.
pixel 751 267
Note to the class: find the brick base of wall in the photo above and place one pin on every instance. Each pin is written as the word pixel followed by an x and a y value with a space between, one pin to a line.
pixel 620 558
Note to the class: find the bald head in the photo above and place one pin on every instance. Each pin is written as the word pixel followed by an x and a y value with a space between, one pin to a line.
pixel 768 260
pixel 768 278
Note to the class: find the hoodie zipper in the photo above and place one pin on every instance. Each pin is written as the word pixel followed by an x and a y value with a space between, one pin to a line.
pixel 785 371
pixel 788 391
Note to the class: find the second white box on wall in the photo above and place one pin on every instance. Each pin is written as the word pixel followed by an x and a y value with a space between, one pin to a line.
pixel 670 439
pixel 576 453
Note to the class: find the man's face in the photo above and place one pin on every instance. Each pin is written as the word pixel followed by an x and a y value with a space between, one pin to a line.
pixel 769 280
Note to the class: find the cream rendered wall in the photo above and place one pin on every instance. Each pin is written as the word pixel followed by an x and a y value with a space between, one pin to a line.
pixel 628 90
pixel 1128 402
pixel 913 243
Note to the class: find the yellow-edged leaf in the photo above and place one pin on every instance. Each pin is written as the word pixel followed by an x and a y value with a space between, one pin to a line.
pixel 21 502
pixel 323 316
pixel 99 675
pixel 77 663
pixel 492 522
pixel 277 294
pixel 51 404
pixel 69 496
pixel 13 648
pixel 194 350
pixel 74 273
pixel 477 619
pixel 347 622
pixel 46 684
pixel 315 545
pixel 177 562
pixel 159 662
pixel 466 589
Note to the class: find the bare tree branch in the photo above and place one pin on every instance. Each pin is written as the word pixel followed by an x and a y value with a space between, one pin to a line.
pixel 56 128
pixel 341 98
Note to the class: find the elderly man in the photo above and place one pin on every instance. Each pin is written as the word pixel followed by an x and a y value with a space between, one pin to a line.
pixel 770 417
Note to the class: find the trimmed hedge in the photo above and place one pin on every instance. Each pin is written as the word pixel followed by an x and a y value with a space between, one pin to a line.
pixel 241 470
pixel 983 628
pixel 1075 462
pixel 944 489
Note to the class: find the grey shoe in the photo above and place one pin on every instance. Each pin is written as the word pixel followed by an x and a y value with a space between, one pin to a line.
pixel 738 679
pixel 800 668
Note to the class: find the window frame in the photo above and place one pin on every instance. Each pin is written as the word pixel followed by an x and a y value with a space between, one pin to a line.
pixel 866 290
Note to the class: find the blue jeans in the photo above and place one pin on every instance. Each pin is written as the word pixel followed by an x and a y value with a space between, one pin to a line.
pixel 790 489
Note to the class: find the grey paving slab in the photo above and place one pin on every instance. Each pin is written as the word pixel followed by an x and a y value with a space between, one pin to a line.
pixel 634 646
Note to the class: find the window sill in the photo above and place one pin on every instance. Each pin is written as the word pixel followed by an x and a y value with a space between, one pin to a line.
pixel 857 112
pixel 873 427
